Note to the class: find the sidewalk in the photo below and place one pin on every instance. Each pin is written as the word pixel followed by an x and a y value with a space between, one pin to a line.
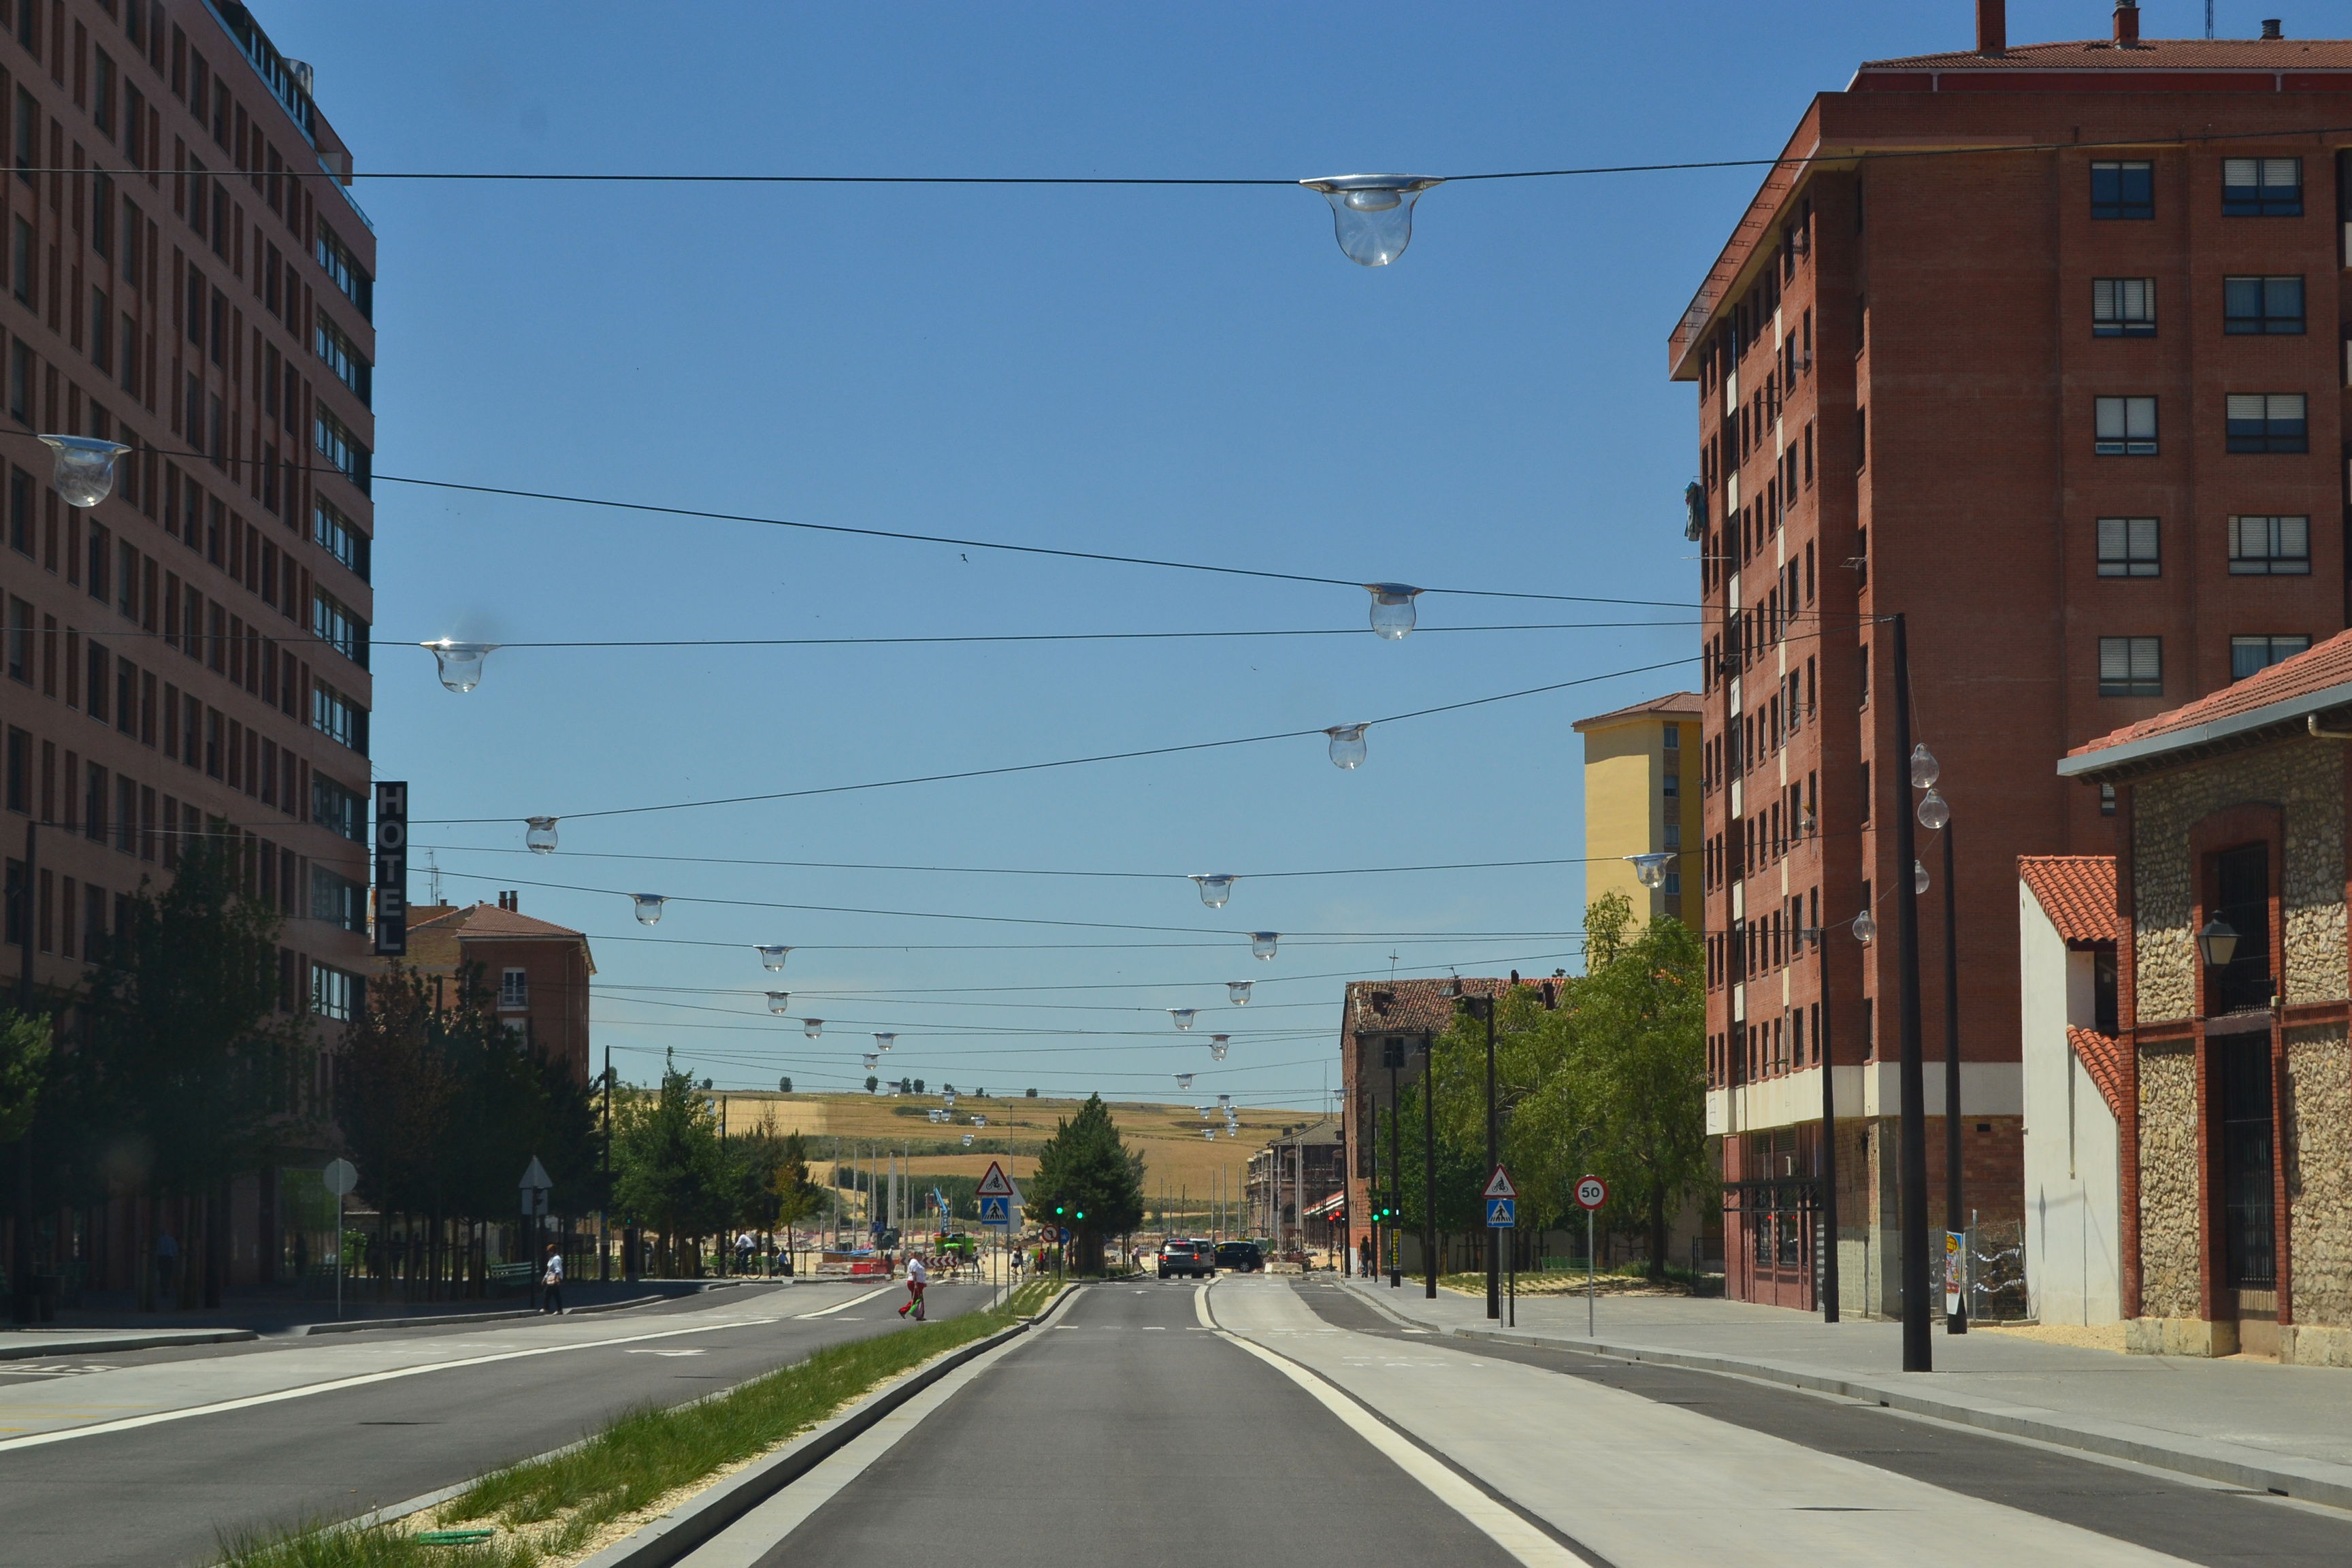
pixel 2246 1423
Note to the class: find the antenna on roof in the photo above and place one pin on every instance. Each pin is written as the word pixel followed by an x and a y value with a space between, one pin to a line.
pixel 2209 18
pixel 432 869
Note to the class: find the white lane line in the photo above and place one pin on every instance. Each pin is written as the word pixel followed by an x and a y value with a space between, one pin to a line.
pixel 130 1423
pixel 751 1539
pixel 1504 1529
pixel 1201 1306
pixel 843 1305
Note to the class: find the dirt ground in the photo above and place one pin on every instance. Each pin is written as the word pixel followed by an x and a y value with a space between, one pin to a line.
pixel 1178 1161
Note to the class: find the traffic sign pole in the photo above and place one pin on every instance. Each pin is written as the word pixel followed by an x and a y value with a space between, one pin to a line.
pixel 1592 1192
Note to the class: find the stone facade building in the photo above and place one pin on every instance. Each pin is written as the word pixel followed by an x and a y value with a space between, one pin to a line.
pixel 2233 989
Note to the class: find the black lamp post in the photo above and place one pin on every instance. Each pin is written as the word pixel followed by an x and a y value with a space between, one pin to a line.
pixel 1484 1007
pixel 1392 1058
pixel 23 1306
pixel 1918 1354
pixel 1827 1057
pixel 1429 1168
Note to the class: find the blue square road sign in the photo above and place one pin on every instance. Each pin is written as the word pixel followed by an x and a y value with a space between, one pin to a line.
pixel 1502 1213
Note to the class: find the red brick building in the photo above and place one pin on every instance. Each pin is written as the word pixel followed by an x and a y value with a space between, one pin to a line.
pixel 536 971
pixel 185 276
pixel 2044 349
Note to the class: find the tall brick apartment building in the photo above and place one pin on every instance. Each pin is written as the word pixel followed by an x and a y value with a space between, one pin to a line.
pixel 182 277
pixel 2074 406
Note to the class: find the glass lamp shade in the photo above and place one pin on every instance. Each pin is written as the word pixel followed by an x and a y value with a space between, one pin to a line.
pixel 1184 1080
pixel 461 662
pixel 539 835
pixel 1934 811
pixel 811 1028
pixel 2217 942
pixel 872 1061
pixel 1204 1110
pixel 1237 991
pixel 1183 1017
pixel 1347 745
pixel 931 1116
pixel 1215 889
pixel 1651 868
pixel 884 1042
pixel 980 1121
pixel 1210 1133
pixel 1918 876
pixel 1262 944
pixel 948 1099
pixel 649 907
pixel 1218 1048
pixel 1225 1102
pixel 85 468
pixel 772 956
pixel 1925 769
pixel 1865 929
pixel 778 1000
pixel 1371 214
pixel 1392 609
pixel 967 1140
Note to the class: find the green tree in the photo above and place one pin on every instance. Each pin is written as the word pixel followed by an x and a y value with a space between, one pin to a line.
pixel 1089 1180
pixel 24 1068
pixel 669 1171
pixel 1640 1017
pixel 798 1198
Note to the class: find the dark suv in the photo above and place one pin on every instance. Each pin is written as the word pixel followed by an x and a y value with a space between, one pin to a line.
pixel 1193 1258
pixel 1240 1257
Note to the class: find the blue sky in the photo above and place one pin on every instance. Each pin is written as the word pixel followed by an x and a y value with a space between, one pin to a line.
pixel 1189 373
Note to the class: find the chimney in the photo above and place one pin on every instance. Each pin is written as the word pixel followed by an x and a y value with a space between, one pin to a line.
pixel 2270 28
pixel 2126 24
pixel 1993 27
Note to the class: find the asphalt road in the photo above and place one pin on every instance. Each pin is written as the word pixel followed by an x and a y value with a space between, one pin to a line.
pixel 150 1458
pixel 1124 1432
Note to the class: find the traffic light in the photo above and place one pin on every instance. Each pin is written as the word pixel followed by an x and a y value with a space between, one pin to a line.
pixel 1058 1209
pixel 1081 1213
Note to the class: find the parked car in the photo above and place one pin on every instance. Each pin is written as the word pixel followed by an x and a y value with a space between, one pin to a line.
pixel 1195 1259
pixel 1240 1257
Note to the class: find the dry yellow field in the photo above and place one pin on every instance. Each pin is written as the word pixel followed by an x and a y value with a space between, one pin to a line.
pixel 1177 1158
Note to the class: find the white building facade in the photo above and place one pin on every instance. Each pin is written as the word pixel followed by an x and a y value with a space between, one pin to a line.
pixel 2072 1083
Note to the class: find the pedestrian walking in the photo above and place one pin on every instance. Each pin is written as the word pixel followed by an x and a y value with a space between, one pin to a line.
pixel 1364 1264
pixel 917 1278
pixel 551 1282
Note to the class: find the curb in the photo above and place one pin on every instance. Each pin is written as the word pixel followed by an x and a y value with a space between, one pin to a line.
pixel 365 1325
pixel 135 1342
pixel 695 1522
pixel 2233 1464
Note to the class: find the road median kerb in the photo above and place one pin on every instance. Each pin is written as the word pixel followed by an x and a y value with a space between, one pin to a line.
pixel 692 1524
pixel 365 1325
pixel 131 1342
pixel 2233 1464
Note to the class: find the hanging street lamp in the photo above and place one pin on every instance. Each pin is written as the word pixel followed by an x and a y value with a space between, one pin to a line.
pixel 1371 214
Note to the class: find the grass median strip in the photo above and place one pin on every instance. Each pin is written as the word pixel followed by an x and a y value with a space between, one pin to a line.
pixel 549 1511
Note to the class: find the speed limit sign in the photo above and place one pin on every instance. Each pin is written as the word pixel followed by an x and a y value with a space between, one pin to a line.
pixel 1591 1192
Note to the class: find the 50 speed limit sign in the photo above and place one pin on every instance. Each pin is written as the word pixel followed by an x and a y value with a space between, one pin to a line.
pixel 1591 1192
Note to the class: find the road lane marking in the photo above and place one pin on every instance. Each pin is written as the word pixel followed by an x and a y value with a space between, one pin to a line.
pixel 1505 1528
pixel 1201 1306
pixel 843 1305
pixel 361 1380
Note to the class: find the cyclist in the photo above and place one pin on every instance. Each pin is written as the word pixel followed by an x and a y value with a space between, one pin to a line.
pixel 917 1278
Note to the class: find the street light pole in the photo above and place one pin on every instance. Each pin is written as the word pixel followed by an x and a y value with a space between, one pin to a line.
pixel 1429 1167
pixel 1494 1158
pixel 1393 1050
pixel 22 1305
pixel 1917 1352
pixel 1823 1051
pixel 1955 1321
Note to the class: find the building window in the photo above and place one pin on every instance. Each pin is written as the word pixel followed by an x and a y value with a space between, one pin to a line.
pixel 2270 546
pixel 2128 547
pixel 344 268
pixel 514 988
pixel 2123 190
pixel 340 447
pixel 2125 427
pixel 350 366
pixel 338 900
pixel 2106 800
pixel 2262 187
pixel 338 718
pixel 336 534
pixel 2131 666
pixel 2248 654
pixel 2123 306
pixel 2261 307
pixel 333 994
pixel 338 810
pixel 337 625
pixel 2268 422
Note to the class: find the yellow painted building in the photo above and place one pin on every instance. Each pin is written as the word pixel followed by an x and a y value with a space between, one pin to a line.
pixel 1640 794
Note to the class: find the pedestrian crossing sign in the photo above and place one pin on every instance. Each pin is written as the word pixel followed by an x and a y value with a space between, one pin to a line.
pixel 1502 1213
pixel 995 1210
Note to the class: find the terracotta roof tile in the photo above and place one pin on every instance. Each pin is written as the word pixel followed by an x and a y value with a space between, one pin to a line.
pixel 2102 1057
pixel 2314 669
pixel 1413 1006
pixel 1674 702
pixel 487 919
pixel 2152 54
pixel 2077 891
